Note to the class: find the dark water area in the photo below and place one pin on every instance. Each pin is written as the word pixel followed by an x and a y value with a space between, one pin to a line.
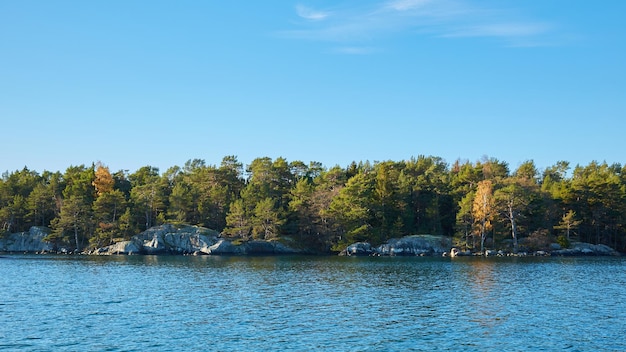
pixel 165 303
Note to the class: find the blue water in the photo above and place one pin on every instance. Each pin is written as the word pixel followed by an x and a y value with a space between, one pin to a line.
pixel 148 303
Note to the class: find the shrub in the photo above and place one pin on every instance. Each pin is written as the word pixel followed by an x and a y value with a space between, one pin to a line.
pixel 563 241
pixel 538 240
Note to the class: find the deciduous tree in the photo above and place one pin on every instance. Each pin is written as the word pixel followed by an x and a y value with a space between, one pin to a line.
pixel 482 211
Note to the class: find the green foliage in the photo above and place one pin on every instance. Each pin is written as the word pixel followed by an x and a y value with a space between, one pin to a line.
pixel 74 224
pixel 238 221
pixel 266 221
pixel 322 208
pixel 563 241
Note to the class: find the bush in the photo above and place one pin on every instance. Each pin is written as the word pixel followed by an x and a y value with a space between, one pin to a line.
pixel 538 241
pixel 563 241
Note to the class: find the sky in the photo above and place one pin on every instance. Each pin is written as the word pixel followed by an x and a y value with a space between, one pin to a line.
pixel 137 83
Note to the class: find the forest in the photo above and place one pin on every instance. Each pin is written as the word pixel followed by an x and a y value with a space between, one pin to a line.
pixel 480 204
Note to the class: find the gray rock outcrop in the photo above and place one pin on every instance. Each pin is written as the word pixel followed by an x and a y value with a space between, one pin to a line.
pixel 27 242
pixel 171 239
pixel 582 248
pixel 358 249
pixel 166 239
pixel 416 245
pixel 455 252
pixel 123 247
pixel 225 247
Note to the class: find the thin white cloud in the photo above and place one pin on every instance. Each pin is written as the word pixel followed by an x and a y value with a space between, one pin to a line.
pixel 310 14
pixel 404 5
pixel 501 30
pixel 365 23
pixel 355 50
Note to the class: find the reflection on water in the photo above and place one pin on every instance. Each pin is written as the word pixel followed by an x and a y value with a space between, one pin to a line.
pixel 481 281
pixel 311 303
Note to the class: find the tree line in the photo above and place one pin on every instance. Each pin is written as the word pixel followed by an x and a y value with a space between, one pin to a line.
pixel 480 204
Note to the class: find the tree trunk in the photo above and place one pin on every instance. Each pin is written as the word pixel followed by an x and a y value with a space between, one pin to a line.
pixel 148 217
pixel 482 238
pixel 482 243
pixel 513 228
pixel 76 237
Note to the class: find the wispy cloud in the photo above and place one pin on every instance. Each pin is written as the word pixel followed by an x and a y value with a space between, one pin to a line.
pixel 404 5
pixel 369 22
pixel 355 50
pixel 310 14
pixel 508 30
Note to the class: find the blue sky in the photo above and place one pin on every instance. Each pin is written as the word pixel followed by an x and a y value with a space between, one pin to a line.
pixel 135 83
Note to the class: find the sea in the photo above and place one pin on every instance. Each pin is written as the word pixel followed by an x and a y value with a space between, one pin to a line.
pixel 311 303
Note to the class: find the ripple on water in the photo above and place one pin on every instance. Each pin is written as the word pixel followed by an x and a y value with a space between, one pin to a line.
pixel 311 303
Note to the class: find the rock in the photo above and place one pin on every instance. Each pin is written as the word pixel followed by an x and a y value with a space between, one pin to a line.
pixel 194 240
pixel 358 249
pixel 582 248
pixel 259 247
pixel 31 241
pixel 565 252
pixel 224 247
pixel 490 253
pixel 123 247
pixel 594 249
pixel 175 240
pixel 280 248
pixel 602 249
pixel 455 252
pixel 415 245
pixel 154 245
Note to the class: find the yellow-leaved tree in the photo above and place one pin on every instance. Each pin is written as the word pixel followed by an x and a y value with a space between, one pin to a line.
pixel 103 181
pixel 482 211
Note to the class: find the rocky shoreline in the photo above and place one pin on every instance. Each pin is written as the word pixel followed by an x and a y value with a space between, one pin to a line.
pixel 194 240
pixel 159 240
pixel 428 245
pixel 576 249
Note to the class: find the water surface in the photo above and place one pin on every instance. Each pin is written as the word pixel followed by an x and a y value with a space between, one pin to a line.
pixel 139 303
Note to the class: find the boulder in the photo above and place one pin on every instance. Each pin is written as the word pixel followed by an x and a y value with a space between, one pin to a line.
pixel 555 246
pixel 455 252
pixel 586 249
pixel 31 241
pixel 358 249
pixel 280 248
pixel 415 245
pixel 123 247
pixel 155 245
pixel 602 249
pixel 224 247
pixel 175 240
pixel 490 253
